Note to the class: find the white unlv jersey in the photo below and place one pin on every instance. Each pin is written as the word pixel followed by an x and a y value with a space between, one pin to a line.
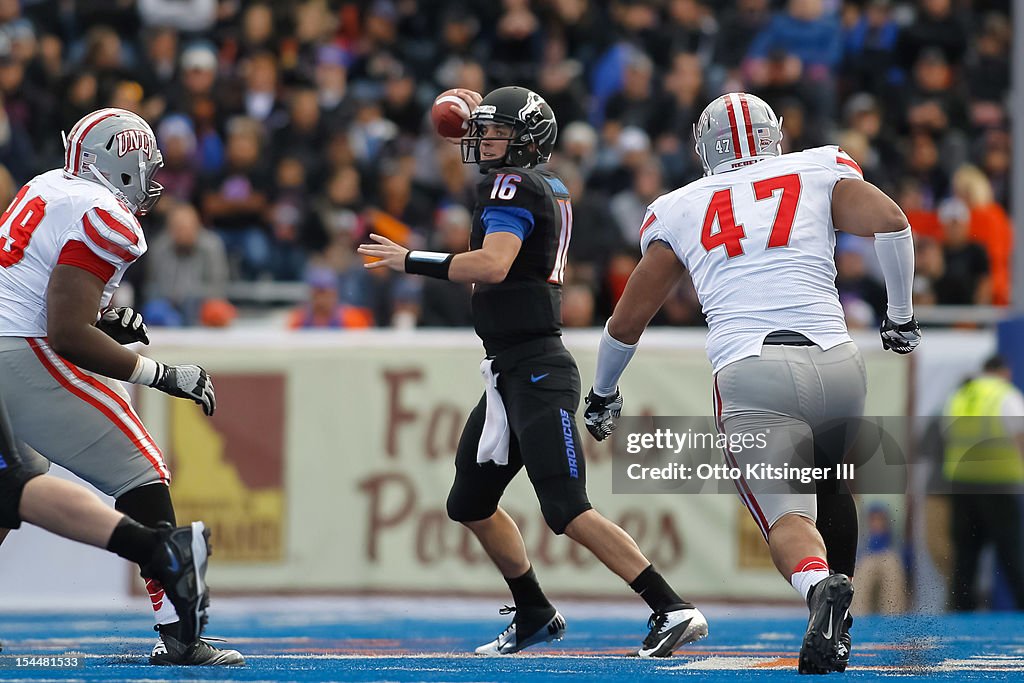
pixel 759 244
pixel 59 218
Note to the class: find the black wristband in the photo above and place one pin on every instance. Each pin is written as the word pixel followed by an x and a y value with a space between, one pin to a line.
pixel 429 263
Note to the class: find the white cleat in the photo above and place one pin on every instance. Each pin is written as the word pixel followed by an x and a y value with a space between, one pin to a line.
pixel 508 641
pixel 672 629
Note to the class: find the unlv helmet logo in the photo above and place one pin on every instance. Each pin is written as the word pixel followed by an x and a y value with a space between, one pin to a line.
pixel 131 140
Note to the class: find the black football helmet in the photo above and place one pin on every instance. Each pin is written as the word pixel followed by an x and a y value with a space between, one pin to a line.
pixel 534 128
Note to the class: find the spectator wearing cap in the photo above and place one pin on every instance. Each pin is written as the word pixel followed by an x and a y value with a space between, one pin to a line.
pixel 323 309
pixel 197 83
pixel 331 77
pixel 186 267
pixel 990 226
pixel 235 200
pixel 966 277
pixel 579 145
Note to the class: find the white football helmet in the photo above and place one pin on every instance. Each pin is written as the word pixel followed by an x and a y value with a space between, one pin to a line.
pixel 734 131
pixel 117 149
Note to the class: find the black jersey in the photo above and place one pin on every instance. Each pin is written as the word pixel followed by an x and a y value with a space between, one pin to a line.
pixel 527 304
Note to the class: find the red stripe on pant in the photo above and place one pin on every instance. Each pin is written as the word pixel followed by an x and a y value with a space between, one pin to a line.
pixel 119 422
pixel 746 495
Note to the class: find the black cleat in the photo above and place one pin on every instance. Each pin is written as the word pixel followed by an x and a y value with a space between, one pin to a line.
pixel 511 641
pixel 169 651
pixel 826 645
pixel 671 629
pixel 179 564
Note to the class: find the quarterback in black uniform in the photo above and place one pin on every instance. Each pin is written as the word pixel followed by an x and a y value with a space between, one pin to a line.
pixel 526 418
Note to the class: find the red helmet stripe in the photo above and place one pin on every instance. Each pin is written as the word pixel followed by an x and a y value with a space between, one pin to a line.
pixel 750 129
pixel 733 126
pixel 75 139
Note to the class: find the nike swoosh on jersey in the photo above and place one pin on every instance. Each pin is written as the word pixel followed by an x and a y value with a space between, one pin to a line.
pixel 537 378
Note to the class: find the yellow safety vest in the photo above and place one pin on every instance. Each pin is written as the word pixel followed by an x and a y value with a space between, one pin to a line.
pixel 978 449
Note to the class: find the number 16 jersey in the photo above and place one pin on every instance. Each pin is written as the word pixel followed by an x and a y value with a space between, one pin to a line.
pixel 759 245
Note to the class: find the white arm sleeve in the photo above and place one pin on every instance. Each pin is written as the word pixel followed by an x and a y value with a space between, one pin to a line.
pixel 896 255
pixel 612 358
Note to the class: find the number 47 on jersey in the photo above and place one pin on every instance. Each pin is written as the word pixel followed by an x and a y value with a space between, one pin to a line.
pixel 730 233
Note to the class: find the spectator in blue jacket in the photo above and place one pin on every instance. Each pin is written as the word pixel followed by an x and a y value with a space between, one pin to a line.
pixel 798 53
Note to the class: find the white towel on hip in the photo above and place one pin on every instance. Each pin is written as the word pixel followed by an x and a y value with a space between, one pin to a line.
pixel 494 439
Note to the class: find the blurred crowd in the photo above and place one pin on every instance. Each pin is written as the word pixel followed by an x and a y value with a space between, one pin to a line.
pixel 291 129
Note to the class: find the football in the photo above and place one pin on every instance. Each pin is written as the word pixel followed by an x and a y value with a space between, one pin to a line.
pixel 445 116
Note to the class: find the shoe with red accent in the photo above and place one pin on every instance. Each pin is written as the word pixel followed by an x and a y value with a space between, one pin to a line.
pixel 179 564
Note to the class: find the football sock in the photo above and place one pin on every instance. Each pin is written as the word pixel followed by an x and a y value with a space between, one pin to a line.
pixel 652 587
pixel 807 573
pixel 526 591
pixel 132 541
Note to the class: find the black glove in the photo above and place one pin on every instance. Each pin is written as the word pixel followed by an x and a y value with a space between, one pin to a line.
pixel 187 381
pixel 601 413
pixel 900 338
pixel 124 325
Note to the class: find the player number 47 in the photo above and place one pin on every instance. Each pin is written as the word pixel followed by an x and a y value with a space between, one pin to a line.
pixel 730 233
